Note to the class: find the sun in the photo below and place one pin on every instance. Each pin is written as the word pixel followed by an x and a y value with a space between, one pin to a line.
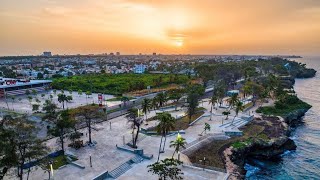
pixel 178 43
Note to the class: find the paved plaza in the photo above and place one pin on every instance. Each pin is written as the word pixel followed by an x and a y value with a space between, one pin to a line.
pixel 106 157
pixel 22 104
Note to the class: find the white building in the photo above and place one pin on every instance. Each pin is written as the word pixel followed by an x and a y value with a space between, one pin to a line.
pixel 139 69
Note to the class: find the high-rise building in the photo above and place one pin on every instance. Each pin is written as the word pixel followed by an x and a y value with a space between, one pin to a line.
pixel 47 53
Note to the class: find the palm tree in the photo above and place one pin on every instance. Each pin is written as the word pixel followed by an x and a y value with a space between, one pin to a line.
pixel 34 92
pixel 154 103
pixel 179 143
pixel 63 98
pixel 226 113
pixel 133 117
pixel 124 100
pixel 146 106
pixel 166 124
pixel 233 100
pixel 88 93
pixel 212 101
pixel 239 107
pixel 206 128
pixel 79 92
pixel 6 99
pixel 162 98
pixel 13 98
pixel 192 105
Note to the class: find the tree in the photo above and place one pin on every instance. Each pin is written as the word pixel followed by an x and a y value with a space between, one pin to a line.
pixel 146 106
pixel 166 124
pixel 50 110
pixel 88 93
pixel 220 92
pixel 8 156
pixel 226 113
pixel 179 143
pixel 238 107
pixel 27 92
pixel 24 145
pixel 35 107
pixel 6 100
pixel 162 98
pixel 30 99
pixel 166 169
pixel 212 101
pixel 206 128
pixel 175 95
pixel 155 103
pixel 124 100
pixel 34 92
pixel 39 76
pixel 64 98
pixel 69 98
pixel 192 100
pixel 13 98
pixel 136 121
pixel 79 92
pixel 62 124
pixel 233 100
pixel 89 114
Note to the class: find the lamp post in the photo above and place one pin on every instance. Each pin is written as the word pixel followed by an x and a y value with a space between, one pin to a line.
pixel 90 161
pixel 51 169
pixel 204 160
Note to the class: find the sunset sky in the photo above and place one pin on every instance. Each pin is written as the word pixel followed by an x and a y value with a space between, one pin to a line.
pixel 162 26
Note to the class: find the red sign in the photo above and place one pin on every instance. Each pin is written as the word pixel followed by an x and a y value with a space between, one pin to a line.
pixel 11 82
pixel 100 98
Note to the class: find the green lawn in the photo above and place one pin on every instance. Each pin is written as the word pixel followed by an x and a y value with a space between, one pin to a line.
pixel 118 98
pixel 116 84
pixel 183 123
pixel 284 107
pixel 60 161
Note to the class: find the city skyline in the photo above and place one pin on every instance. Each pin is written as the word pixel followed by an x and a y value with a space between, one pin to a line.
pixel 167 27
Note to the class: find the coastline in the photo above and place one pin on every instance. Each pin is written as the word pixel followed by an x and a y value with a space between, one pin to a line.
pixel 264 148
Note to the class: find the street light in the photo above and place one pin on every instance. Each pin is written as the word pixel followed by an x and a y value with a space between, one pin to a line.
pixel 51 168
pixel 204 160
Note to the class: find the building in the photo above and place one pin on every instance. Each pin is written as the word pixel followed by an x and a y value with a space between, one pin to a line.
pixel 118 53
pixel 139 69
pixel 47 54
pixel 13 87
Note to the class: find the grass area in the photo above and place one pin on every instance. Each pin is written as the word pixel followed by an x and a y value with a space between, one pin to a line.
pixel 60 161
pixel 183 123
pixel 152 90
pixel 117 84
pixel 248 105
pixel 118 98
pixel 200 109
pixel 213 151
pixel 10 112
pixel 284 107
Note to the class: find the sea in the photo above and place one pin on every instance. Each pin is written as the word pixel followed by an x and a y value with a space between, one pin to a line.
pixel 304 162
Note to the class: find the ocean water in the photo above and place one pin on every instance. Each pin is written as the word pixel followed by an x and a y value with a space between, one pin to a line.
pixel 303 163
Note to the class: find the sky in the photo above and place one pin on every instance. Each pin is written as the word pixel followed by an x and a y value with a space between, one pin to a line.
pixel 162 26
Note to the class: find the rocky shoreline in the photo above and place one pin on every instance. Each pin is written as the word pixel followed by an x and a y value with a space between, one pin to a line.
pixel 273 142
